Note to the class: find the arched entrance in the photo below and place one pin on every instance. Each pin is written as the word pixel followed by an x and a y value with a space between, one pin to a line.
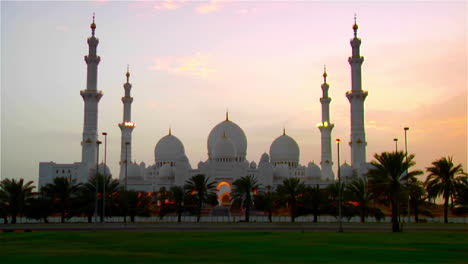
pixel 223 190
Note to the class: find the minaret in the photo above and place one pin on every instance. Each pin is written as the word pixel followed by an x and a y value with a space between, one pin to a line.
pixel 91 97
pixel 356 98
pixel 326 128
pixel 126 127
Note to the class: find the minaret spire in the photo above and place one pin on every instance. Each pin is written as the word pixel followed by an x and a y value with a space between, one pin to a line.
pixel 91 97
pixel 126 127
pixel 326 128
pixel 356 99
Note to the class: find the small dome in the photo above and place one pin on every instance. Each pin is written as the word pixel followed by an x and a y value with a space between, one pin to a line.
pixel 313 170
pixel 346 170
pixel 169 148
pixel 224 148
pixel 265 158
pixel 281 171
pixel 104 171
pixel 235 134
pixel 166 171
pixel 284 149
pixel 253 165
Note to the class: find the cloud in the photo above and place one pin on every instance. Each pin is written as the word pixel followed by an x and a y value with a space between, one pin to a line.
pixel 168 5
pixel 197 65
pixel 210 7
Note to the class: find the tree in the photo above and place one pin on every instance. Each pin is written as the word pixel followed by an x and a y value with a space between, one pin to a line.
pixel 243 191
pixel 313 200
pixel 111 187
pixel 417 195
pixel 444 179
pixel 461 198
pixel 135 203
pixel 359 193
pixel 202 189
pixel 177 196
pixel 39 208
pixel 13 196
pixel 389 176
pixel 290 190
pixel 266 201
pixel 62 191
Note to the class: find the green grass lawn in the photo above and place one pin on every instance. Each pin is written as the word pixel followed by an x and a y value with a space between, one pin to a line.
pixel 232 247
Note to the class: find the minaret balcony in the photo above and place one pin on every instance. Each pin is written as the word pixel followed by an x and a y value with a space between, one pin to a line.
pixel 356 94
pixel 354 60
pixel 326 100
pixel 91 94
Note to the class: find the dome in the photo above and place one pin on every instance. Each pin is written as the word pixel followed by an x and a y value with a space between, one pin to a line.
pixel 253 165
pixel 284 149
pixel 169 148
pixel 224 148
pixel 265 158
pixel 233 132
pixel 313 170
pixel 166 171
pixel 346 170
pixel 103 171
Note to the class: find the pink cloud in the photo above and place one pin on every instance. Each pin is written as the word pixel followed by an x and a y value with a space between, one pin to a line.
pixel 197 65
pixel 210 7
pixel 62 28
pixel 168 5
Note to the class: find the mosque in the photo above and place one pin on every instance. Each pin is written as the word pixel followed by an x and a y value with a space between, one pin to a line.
pixel 226 144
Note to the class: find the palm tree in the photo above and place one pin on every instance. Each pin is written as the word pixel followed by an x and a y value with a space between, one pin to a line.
pixel 266 201
pixel 359 192
pixel 243 191
pixel 290 190
pixel 417 195
pixel 13 196
pixel 313 200
pixel 389 176
pixel 444 179
pixel 62 191
pixel 177 195
pixel 111 188
pixel 461 198
pixel 202 189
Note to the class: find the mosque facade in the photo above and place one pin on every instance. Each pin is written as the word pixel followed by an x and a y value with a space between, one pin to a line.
pixel 226 144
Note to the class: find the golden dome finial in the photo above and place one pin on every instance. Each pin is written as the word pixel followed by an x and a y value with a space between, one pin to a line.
pixel 355 26
pixel 170 131
pixel 325 74
pixel 128 72
pixel 227 114
pixel 284 131
pixel 93 25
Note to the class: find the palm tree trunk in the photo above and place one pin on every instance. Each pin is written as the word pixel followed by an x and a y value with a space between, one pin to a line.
pixel 270 212
pixel 62 217
pixel 395 223
pixel 315 217
pixel 247 213
pixel 362 214
pixel 446 209
pixel 13 218
pixel 292 211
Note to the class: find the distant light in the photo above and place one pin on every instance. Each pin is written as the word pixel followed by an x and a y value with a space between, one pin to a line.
pixel 319 124
pixel 325 124
pixel 338 141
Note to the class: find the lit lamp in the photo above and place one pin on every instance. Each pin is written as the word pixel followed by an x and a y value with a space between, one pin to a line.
pixel 340 225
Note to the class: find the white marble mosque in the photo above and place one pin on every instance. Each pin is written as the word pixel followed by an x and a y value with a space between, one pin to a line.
pixel 226 144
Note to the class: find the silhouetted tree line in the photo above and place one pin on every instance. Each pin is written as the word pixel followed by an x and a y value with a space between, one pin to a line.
pixel 389 182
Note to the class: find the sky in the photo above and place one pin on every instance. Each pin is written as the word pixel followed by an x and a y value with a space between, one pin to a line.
pixel 190 61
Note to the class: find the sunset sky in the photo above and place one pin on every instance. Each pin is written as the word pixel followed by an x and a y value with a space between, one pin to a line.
pixel 262 60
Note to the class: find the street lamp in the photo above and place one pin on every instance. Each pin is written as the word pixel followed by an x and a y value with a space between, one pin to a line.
pixel 340 225
pixel 406 160
pixel 96 183
pixel 396 144
pixel 126 163
pixel 104 182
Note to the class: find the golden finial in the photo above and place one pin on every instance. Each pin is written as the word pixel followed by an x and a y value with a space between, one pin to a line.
pixel 284 131
pixel 93 25
pixel 128 72
pixel 227 115
pixel 325 74
pixel 170 131
pixel 355 26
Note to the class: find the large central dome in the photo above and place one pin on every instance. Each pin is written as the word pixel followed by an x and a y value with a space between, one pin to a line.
pixel 169 148
pixel 232 131
pixel 284 150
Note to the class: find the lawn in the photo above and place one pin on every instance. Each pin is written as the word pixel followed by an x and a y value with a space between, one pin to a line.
pixel 232 247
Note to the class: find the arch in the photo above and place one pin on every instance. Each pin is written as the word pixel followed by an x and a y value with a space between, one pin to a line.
pixel 218 187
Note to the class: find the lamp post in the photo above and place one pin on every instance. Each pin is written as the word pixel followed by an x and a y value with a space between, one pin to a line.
pixel 406 160
pixel 340 225
pixel 126 163
pixel 96 186
pixel 104 182
pixel 396 144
